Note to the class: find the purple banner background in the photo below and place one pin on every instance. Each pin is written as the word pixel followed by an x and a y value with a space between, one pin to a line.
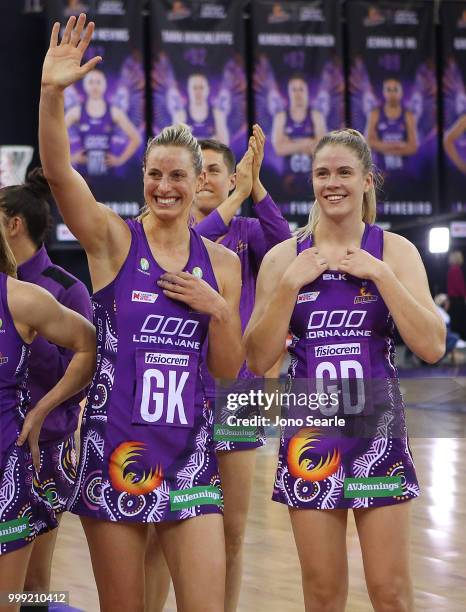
pixel 297 61
pixel 198 52
pixel 453 20
pixel 120 81
pixel 392 45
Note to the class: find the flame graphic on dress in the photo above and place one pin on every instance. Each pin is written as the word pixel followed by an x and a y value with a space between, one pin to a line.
pixel 303 467
pixel 124 456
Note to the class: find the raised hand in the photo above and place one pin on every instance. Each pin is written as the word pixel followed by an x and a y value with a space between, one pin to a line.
pixel 257 144
pixel 244 172
pixel 193 291
pixel 307 266
pixel 62 64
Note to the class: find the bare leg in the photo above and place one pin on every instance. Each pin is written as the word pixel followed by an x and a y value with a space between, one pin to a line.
pixel 13 568
pixel 320 537
pixel 236 474
pixel 40 562
pixel 117 554
pixel 157 574
pixel 384 537
pixel 195 553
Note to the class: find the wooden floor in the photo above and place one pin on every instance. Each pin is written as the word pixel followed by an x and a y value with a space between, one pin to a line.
pixel 271 574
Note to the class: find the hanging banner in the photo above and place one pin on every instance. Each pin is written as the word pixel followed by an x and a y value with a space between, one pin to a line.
pixel 453 22
pixel 105 111
pixel 393 100
pixel 299 93
pixel 198 72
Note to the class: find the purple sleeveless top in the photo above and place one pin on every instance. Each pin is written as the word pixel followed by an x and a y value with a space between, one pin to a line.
pixel 299 129
pixel 299 162
pixel 13 373
pixel 391 130
pixel 146 410
pixel 48 362
pixel 342 329
pixel 202 129
pixel 96 134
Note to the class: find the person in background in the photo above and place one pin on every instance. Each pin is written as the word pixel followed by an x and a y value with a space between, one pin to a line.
pixel 453 341
pixel 26 220
pixel 456 289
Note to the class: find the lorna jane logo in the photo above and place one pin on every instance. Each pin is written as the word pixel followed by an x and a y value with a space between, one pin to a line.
pixel 3 360
pixel 335 350
pixel 167 359
pixel 144 296
pixel 310 296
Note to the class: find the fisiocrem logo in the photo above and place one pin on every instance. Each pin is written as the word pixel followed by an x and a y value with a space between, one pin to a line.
pixel 167 359
pixel 335 350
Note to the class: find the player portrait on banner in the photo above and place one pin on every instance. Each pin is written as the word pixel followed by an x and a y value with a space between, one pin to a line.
pixel 198 74
pixel 454 96
pixel 297 129
pixel 296 112
pixel 393 100
pixel 103 134
pixel 212 105
pixel 391 127
pixel 205 119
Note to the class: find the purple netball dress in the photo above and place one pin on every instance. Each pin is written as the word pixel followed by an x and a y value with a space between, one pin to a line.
pixel 343 345
pixel 96 134
pixel 250 239
pixel 391 130
pixel 47 364
pixel 146 446
pixel 202 129
pixel 24 509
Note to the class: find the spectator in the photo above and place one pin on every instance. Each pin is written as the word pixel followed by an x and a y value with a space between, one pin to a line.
pixel 456 289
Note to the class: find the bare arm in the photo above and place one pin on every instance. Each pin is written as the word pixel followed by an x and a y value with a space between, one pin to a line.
pixel 284 145
pixel 72 116
pixel 273 307
pixel 221 129
pixel 409 147
pixel 225 353
pixel 128 127
pixel 179 116
pixel 97 228
pixel 34 310
pixel 371 131
pixel 451 136
pixel 228 207
pixel 405 291
pixel 320 126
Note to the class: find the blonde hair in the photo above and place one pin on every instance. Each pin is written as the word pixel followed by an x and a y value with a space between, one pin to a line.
pixel 355 141
pixel 178 135
pixel 7 259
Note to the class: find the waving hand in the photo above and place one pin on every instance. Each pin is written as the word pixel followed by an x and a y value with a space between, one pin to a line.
pixel 62 65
